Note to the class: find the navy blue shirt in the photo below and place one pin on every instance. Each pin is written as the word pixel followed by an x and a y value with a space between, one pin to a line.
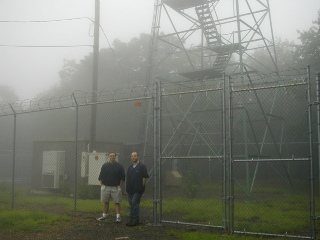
pixel 134 178
pixel 111 174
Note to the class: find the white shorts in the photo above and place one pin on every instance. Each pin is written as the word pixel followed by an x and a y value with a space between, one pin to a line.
pixel 109 191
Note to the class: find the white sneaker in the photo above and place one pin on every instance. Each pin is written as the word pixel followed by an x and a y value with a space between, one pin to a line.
pixel 101 218
pixel 118 220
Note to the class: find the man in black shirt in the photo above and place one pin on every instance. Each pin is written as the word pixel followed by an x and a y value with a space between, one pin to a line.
pixel 137 175
pixel 111 178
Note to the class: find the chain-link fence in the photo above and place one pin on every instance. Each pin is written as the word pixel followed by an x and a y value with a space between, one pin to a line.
pixel 239 157
pixel 271 159
pixel 52 166
pixel 231 155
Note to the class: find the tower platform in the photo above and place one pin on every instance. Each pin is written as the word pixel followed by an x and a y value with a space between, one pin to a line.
pixel 185 4
pixel 202 74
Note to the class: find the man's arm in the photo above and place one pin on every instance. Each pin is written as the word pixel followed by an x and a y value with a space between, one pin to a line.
pixel 123 176
pixel 100 175
pixel 144 182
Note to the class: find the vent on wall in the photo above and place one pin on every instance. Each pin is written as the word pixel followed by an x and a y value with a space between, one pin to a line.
pixel 53 167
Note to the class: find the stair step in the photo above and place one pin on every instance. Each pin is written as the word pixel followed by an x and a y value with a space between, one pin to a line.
pixel 221 59
pixel 210 32
pixel 203 12
pixel 224 54
pixel 212 39
pixel 202 9
pixel 203 6
pixel 209 25
pixel 206 18
pixel 185 4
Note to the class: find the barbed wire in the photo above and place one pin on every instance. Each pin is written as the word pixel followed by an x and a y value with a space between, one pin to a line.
pixel 73 99
pixel 78 98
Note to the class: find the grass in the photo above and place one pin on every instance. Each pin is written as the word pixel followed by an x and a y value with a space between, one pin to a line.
pixel 199 210
pixel 280 214
pixel 196 235
pixel 21 220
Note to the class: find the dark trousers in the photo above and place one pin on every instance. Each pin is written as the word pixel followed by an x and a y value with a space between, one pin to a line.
pixel 134 202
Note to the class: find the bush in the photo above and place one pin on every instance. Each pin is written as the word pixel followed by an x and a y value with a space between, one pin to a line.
pixel 86 191
pixel 191 184
pixel 64 189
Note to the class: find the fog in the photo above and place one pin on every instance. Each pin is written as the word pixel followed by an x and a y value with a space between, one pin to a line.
pixel 32 53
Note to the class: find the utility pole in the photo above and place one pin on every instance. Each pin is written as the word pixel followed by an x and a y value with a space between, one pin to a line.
pixel 92 143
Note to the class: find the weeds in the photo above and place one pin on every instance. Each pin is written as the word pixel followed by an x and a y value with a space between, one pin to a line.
pixel 21 220
pixel 284 214
pixel 196 235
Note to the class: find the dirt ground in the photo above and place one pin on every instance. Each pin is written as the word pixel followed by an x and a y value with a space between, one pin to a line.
pixel 85 226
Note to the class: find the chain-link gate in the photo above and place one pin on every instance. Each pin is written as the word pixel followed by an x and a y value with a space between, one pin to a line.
pixel 272 188
pixel 191 154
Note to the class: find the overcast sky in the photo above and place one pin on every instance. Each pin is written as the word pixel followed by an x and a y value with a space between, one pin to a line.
pixel 32 70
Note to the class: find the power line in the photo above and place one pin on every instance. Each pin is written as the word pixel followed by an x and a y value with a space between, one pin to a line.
pixel 46 21
pixel 61 46
pixel 45 46
pixel 114 54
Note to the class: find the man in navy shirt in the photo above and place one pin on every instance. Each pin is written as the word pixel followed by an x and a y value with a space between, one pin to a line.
pixel 111 178
pixel 137 175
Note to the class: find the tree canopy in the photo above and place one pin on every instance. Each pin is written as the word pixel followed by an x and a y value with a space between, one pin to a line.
pixel 124 65
pixel 308 51
pixel 7 94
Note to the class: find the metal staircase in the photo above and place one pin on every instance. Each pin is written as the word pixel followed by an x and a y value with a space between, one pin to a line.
pixel 208 25
pixel 213 38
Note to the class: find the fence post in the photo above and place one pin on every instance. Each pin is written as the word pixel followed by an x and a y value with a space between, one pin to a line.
pixel 76 156
pixel 312 199
pixel 318 121
pixel 13 154
pixel 224 132
pixel 230 164
pixel 318 124
pixel 156 154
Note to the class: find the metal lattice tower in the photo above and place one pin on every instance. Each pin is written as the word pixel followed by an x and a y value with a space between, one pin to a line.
pixel 208 38
pixel 196 42
pixel 222 34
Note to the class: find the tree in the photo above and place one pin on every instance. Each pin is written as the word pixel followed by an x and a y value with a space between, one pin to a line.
pixel 291 55
pixel 123 65
pixel 308 52
pixel 7 94
pixel 285 56
pixel 70 67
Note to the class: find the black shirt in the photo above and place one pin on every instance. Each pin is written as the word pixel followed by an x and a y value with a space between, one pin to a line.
pixel 134 178
pixel 111 174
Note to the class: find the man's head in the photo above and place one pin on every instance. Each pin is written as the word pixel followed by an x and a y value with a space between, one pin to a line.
pixel 135 157
pixel 112 157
